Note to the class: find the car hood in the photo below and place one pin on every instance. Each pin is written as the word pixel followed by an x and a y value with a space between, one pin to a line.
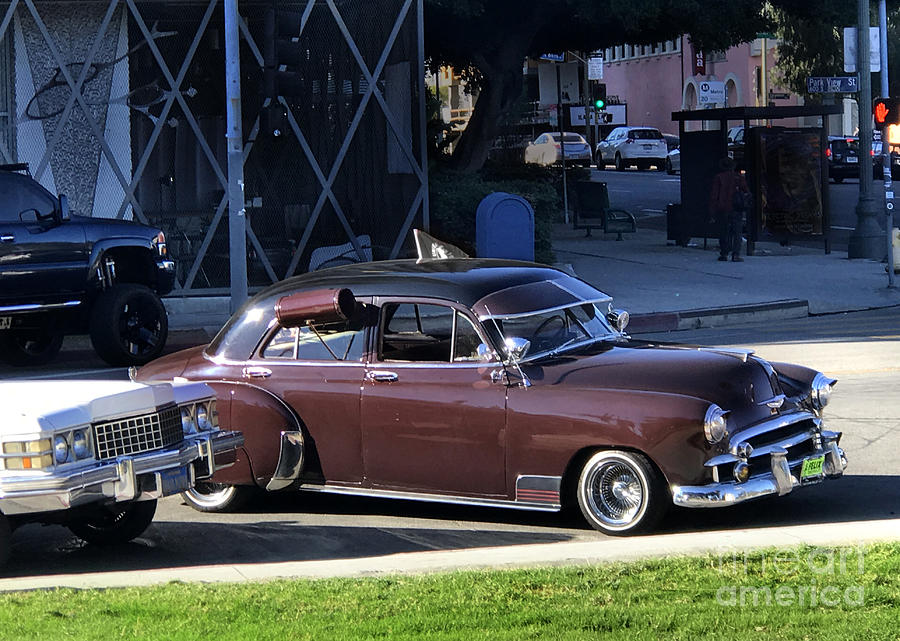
pixel 732 380
pixel 107 228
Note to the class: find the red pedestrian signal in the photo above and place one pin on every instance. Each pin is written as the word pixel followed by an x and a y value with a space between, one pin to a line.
pixel 886 112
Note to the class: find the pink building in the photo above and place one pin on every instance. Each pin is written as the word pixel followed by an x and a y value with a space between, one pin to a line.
pixel 655 80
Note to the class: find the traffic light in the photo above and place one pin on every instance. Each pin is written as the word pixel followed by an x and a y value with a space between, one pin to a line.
pixel 598 95
pixel 282 56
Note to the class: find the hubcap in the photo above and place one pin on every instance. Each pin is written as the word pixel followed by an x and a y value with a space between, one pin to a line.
pixel 211 494
pixel 615 493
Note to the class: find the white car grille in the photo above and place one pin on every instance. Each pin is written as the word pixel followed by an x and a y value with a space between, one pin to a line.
pixel 138 434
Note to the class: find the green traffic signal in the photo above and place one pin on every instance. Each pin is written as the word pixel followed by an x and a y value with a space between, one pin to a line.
pixel 599 103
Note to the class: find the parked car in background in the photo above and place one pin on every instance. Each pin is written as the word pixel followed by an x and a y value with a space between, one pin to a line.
pixel 496 383
pixel 638 147
pixel 673 161
pixel 546 149
pixel 672 141
pixel 96 455
pixel 66 274
pixel 842 153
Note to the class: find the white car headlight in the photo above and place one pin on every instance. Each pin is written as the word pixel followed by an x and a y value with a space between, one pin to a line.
pixel 715 426
pixel 80 444
pixel 60 448
pixel 820 390
pixel 203 417
pixel 188 426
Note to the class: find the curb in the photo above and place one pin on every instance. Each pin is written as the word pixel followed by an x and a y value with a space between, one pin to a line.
pixel 718 316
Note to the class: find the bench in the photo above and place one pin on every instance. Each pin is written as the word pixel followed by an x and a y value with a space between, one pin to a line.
pixel 594 212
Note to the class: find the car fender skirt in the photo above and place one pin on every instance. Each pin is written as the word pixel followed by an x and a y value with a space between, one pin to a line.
pixel 290 461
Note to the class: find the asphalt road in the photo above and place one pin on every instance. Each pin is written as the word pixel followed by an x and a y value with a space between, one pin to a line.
pixel 646 194
pixel 861 349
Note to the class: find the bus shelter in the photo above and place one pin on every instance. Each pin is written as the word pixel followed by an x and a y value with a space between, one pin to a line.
pixel 786 170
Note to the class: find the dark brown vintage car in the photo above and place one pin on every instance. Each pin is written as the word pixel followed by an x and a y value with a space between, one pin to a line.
pixel 497 383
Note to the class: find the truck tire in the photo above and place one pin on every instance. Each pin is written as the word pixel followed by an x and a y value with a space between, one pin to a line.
pixel 5 535
pixel 113 524
pixel 128 325
pixel 30 347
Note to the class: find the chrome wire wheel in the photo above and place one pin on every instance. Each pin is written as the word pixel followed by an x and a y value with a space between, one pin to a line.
pixel 618 492
pixel 216 497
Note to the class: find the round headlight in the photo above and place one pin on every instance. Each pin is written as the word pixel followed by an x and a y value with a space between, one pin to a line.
pixel 741 472
pixel 60 448
pixel 203 417
pixel 820 392
pixel 714 424
pixel 187 421
pixel 79 444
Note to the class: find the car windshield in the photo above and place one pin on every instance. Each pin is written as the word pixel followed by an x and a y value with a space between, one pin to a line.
pixel 645 134
pixel 552 331
pixel 841 146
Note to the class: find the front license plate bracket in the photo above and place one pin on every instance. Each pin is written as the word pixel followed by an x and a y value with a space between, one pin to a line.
pixel 175 480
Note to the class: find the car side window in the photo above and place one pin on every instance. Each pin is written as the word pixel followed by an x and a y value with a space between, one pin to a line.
pixel 337 341
pixel 19 193
pixel 465 341
pixel 415 332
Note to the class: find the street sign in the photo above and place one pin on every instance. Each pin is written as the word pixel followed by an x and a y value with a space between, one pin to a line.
pixel 554 57
pixel 850 49
pixel 832 84
pixel 595 67
pixel 712 92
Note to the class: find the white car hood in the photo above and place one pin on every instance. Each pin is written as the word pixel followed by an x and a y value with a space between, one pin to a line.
pixel 40 406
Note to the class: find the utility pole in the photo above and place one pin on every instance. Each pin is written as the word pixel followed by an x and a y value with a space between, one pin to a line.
pixel 865 240
pixel 234 140
pixel 885 143
pixel 588 111
pixel 562 143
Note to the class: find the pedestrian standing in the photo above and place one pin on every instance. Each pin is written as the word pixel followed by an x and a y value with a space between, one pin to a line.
pixel 728 202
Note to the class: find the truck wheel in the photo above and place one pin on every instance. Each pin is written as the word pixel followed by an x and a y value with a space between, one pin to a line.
pixel 621 493
pixel 115 523
pixel 5 535
pixel 128 325
pixel 217 497
pixel 30 347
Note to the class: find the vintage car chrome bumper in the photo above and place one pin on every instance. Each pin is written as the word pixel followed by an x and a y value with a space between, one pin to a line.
pixel 142 476
pixel 780 480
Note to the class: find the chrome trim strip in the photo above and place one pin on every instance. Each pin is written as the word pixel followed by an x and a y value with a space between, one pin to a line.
pixel 783 444
pixel 31 307
pixel 431 498
pixel 580 302
pixel 736 352
pixel 775 402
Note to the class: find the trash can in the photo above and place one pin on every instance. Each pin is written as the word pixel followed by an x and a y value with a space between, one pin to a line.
pixel 504 227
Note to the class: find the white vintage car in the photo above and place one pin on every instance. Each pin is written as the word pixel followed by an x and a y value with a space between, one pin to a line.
pixel 95 455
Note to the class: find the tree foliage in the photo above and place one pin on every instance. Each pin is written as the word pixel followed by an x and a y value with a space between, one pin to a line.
pixel 489 40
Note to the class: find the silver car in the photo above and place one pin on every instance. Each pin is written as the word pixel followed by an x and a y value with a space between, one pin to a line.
pixel 638 147
pixel 545 150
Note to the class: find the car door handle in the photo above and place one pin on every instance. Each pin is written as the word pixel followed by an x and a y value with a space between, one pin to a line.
pixel 7 238
pixel 381 376
pixel 256 372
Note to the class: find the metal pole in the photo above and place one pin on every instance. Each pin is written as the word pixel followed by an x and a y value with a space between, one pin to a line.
pixel 562 144
pixel 234 138
pixel 587 101
pixel 885 144
pixel 865 240
pixel 423 136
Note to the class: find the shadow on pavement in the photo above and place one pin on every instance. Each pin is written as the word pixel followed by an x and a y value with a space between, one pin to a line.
pixel 279 529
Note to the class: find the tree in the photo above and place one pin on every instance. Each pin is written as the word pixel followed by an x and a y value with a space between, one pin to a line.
pixel 812 42
pixel 488 40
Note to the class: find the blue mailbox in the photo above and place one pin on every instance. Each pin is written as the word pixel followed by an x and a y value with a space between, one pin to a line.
pixel 504 227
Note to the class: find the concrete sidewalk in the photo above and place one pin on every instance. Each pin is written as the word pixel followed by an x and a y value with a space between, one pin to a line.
pixel 667 287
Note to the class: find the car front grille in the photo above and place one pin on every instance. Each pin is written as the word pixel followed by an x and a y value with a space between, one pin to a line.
pixel 138 434
pixel 798 437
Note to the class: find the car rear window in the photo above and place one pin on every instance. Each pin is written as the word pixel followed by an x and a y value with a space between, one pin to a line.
pixel 645 134
pixel 841 146
pixel 569 138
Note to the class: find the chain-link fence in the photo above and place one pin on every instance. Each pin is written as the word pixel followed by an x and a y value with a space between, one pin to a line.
pixel 121 105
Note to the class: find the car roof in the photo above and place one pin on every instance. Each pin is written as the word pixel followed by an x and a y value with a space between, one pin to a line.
pixel 490 287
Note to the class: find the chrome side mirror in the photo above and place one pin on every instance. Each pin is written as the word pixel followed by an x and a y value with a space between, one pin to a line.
pixel 516 347
pixel 484 352
pixel 618 318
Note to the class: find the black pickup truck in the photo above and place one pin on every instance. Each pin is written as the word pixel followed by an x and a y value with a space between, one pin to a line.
pixel 66 274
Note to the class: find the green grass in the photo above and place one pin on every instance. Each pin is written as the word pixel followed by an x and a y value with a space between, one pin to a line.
pixel 666 599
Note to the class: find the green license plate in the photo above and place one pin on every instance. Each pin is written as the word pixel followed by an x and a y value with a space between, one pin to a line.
pixel 812 467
